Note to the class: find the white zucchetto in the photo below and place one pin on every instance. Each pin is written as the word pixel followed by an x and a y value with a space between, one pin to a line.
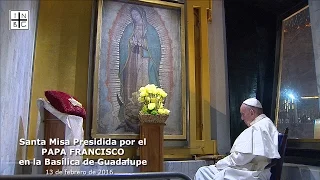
pixel 253 102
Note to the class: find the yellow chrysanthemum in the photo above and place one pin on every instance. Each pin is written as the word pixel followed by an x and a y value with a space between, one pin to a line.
pixel 161 105
pixel 159 90
pixel 161 111
pixel 142 89
pixel 143 93
pixel 166 111
pixel 140 99
pixel 163 94
pixel 152 99
pixel 151 106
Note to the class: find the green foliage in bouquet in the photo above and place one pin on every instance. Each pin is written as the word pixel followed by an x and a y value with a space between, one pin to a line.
pixel 152 99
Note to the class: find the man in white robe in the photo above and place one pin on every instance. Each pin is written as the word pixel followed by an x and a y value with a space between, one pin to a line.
pixel 251 152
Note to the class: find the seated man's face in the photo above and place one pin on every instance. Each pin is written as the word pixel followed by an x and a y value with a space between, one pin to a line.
pixel 247 114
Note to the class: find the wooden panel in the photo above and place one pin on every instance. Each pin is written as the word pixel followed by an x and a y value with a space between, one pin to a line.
pixel 153 150
pixel 317 129
pixel 198 70
pixel 199 78
pixel 53 128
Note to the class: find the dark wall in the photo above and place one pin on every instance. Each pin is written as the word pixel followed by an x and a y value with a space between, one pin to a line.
pixel 251 40
pixel 253 32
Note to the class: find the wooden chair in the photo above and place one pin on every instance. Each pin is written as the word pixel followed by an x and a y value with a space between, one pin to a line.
pixel 276 164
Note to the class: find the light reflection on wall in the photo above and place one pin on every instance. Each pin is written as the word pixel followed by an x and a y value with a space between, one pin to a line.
pixel 301 115
pixel 298 106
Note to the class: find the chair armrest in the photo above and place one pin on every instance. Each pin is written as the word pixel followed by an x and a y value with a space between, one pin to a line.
pixel 273 163
pixel 209 157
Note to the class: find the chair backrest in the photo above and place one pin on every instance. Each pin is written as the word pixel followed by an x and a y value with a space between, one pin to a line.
pixel 276 168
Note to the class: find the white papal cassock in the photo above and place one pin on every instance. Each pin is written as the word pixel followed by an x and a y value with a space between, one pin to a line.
pixel 251 152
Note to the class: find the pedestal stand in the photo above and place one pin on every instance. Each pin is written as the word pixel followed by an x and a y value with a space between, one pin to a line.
pixel 151 128
pixel 53 129
pixel 153 150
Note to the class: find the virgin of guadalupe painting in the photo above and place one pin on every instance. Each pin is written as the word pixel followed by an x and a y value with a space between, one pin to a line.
pixel 138 44
pixel 139 64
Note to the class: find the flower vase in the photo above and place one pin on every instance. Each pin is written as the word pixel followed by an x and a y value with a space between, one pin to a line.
pixel 149 118
pixel 151 129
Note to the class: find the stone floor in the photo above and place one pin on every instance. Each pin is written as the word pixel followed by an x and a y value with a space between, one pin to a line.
pixel 189 168
pixel 300 172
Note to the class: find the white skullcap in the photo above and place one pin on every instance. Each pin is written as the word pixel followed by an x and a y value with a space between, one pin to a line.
pixel 253 102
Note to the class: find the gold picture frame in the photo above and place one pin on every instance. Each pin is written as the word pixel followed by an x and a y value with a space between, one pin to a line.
pixel 297 84
pixel 116 29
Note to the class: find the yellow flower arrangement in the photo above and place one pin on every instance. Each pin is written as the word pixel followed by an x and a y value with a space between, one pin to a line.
pixel 152 99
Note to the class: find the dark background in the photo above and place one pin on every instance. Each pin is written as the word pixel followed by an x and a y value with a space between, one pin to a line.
pixel 253 32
